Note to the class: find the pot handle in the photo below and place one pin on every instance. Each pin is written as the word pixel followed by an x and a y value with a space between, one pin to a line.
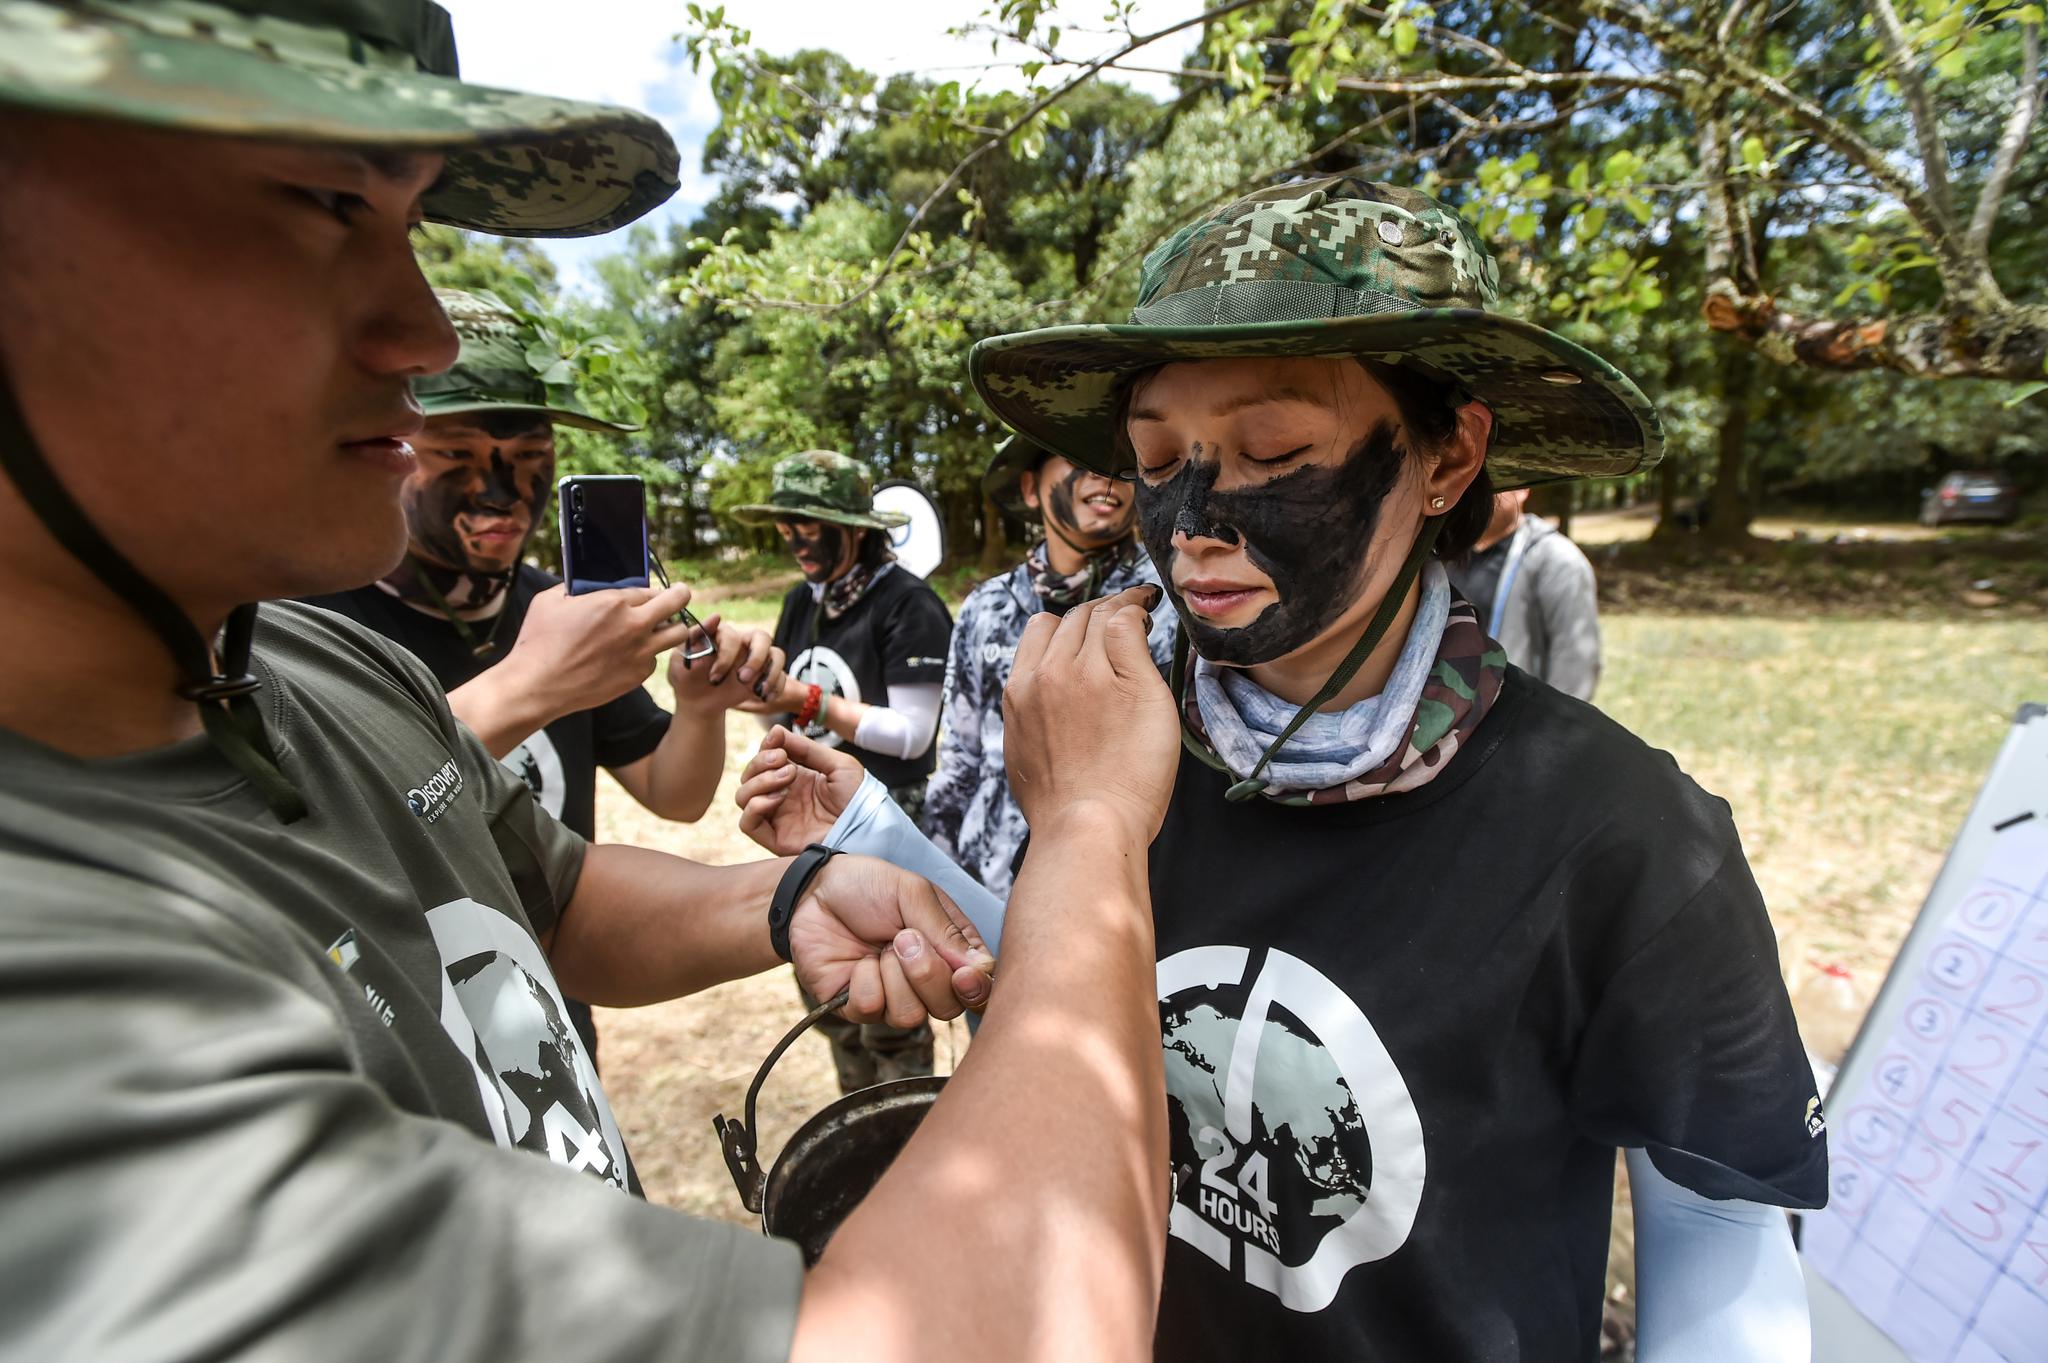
pixel 736 1139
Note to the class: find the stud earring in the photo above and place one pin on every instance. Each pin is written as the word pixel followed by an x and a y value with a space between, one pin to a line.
pixel 1436 504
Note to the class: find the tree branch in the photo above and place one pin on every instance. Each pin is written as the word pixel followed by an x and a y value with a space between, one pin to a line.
pixel 1919 109
pixel 2011 142
pixel 2011 345
pixel 1037 107
pixel 1966 276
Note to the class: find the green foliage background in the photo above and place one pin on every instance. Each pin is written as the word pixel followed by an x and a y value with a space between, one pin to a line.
pixel 759 329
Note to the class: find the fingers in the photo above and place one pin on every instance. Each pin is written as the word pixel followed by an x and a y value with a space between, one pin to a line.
pixel 754 654
pixel 774 779
pixel 1127 641
pixel 757 821
pixel 866 999
pixel 972 988
pixel 668 636
pixel 927 910
pixel 1031 647
pixel 919 984
pixel 666 602
pixel 806 751
pixel 1072 631
pixel 732 647
pixel 773 673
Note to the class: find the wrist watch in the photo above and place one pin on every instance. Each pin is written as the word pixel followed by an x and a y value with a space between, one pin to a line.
pixel 789 892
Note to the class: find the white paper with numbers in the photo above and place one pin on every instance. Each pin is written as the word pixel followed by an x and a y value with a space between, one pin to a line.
pixel 1936 1230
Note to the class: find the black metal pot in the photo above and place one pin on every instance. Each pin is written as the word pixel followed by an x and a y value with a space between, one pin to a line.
pixel 834 1159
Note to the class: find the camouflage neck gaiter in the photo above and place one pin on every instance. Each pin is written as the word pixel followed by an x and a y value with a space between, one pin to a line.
pixel 1461 687
pixel 844 592
pixel 435 589
pixel 1062 591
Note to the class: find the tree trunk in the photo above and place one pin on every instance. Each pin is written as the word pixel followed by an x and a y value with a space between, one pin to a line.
pixel 1725 518
pixel 995 545
pixel 1667 496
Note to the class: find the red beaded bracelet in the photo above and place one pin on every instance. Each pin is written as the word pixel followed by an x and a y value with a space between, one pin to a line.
pixel 814 700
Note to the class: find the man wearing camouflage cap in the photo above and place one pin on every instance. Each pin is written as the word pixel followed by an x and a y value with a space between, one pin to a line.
pixel 866 644
pixel 1435 940
pixel 284 948
pixel 1089 549
pixel 549 682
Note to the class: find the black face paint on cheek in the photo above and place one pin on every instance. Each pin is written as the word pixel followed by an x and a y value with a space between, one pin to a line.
pixel 508 485
pixel 823 548
pixel 1307 530
pixel 1061 499
pixel 430 512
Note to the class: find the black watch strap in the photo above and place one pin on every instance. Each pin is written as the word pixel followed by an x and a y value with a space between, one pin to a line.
pixel 789 892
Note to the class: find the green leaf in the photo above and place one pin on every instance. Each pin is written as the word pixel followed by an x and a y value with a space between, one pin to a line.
pixel 1953 64
pixel 1580 179
pixel 1753 153
pixel 1637 209
pixel 2027 14
pixel 1522 226
pixel 1591 221
pixel 1621 166
pixel 2025 391
pixel 560 372
pixel 1404 38
pixel 1526 162
pixel 542 355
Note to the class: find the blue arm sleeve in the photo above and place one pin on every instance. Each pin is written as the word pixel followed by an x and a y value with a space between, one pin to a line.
pixel 875 826
pixel 1716 1282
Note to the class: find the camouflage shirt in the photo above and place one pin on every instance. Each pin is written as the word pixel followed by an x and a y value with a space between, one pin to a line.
pixel 968 811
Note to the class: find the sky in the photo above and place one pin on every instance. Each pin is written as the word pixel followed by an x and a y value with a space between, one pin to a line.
pixel 623 52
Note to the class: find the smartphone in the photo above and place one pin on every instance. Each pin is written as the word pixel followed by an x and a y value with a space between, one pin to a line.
pixel 604 542
pixel 604 531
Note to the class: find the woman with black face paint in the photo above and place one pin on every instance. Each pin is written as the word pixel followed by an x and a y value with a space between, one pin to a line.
pixel 1434 940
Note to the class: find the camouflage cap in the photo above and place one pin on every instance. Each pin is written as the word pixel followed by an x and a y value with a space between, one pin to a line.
pixel 493 372
pixel 1335 266
pixel 820 485
pixel 367 73
pixel 1002 482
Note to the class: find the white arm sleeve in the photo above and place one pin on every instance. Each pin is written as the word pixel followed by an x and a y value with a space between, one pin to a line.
pixel 1716 1282
pixel 906 726
pixel 876 826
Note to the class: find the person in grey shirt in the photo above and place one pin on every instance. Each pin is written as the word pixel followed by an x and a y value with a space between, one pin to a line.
pixel 1534 592
pixel 283 950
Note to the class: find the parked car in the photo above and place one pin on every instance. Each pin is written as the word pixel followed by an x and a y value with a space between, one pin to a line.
pixel 1979 496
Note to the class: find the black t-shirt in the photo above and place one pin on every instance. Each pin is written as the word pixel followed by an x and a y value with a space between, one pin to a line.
pixel 899 631
pixel 1467 996
pixel 559 763
pixel 1478 578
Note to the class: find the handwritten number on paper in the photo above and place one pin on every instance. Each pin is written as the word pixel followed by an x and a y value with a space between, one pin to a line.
pixel 1979 1214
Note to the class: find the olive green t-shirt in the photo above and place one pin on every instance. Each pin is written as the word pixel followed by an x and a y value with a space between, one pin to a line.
pixel 309 1090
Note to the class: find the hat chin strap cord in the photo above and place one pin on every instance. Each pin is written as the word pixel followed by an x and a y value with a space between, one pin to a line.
pixel 1376 629
pixel 225 695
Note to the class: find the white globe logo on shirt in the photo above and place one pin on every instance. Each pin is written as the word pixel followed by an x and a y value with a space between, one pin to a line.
pixel 824 668
pixel 536 762
pixel 1269 1109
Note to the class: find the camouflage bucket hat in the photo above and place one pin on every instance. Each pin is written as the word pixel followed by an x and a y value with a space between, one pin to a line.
pixel 366 73
pixel 497 370
pixel 1002 483
pixel 820 485
pixel 1335 266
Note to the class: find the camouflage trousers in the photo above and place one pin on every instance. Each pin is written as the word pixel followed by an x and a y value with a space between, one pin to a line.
pixel 871 1053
